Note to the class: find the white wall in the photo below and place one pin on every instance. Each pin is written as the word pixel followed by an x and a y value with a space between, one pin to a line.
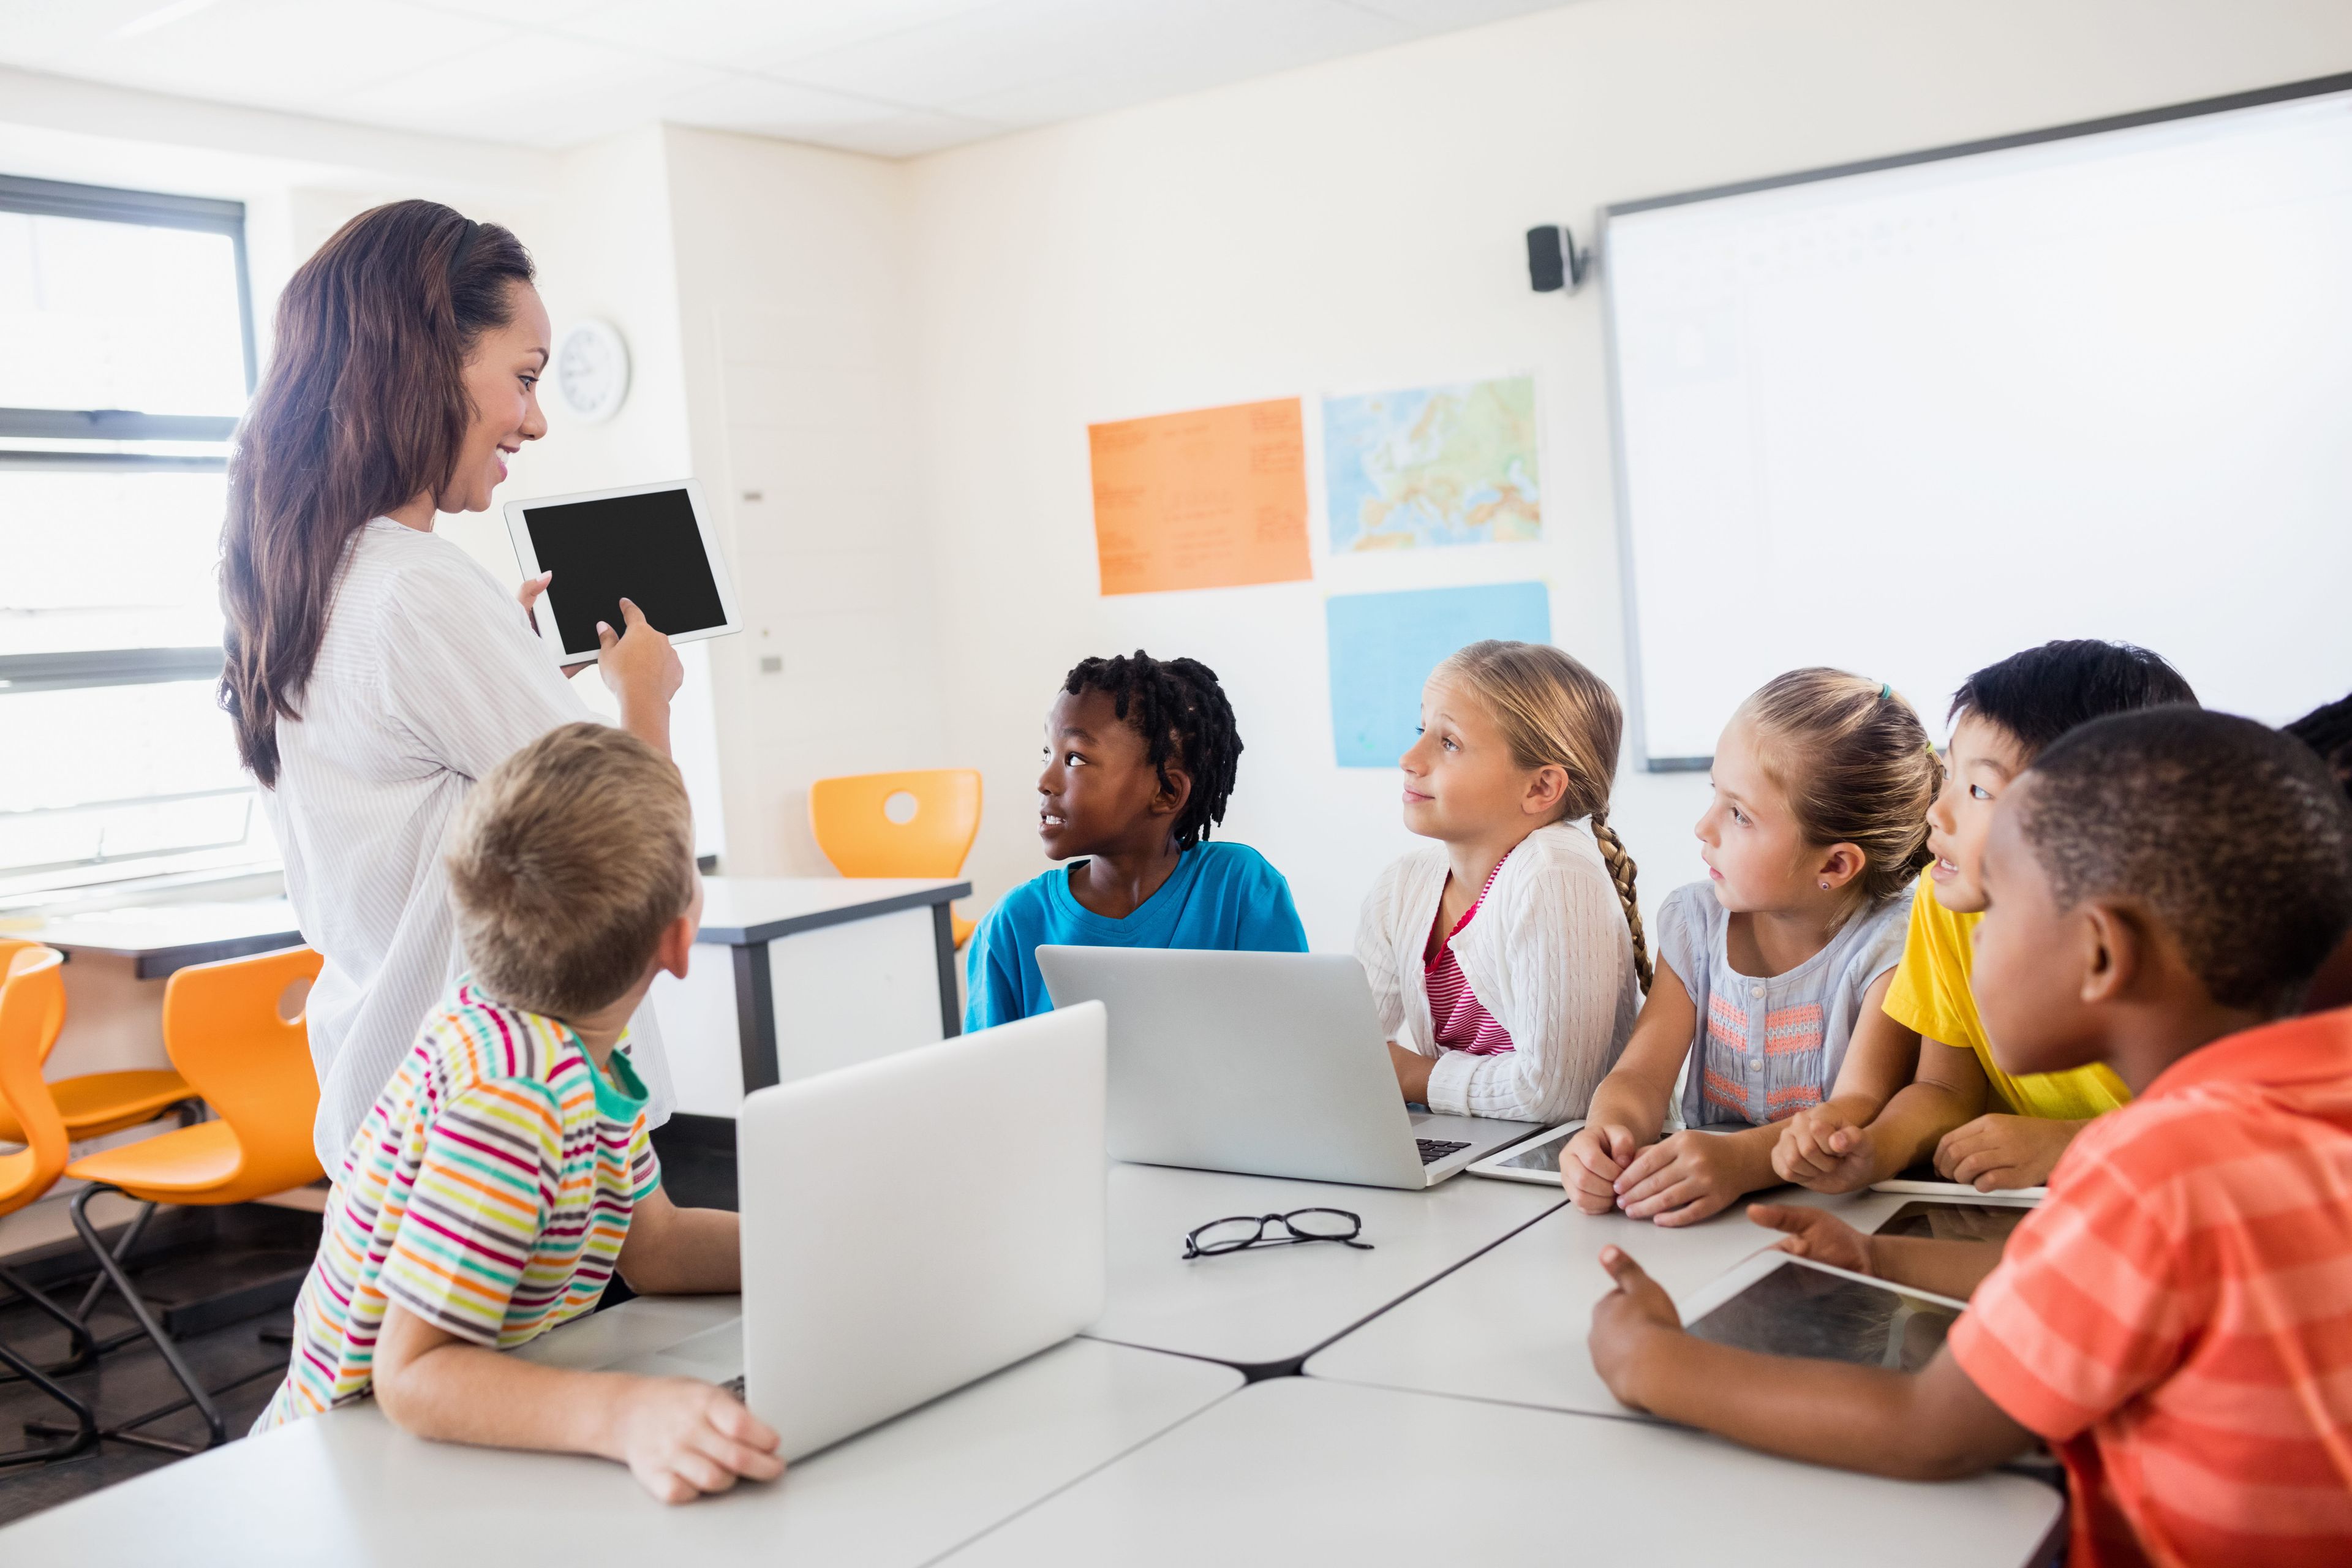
pixel 1359 225
pixel 792 278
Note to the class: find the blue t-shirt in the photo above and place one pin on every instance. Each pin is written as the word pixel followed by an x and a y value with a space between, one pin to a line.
pixel 1221 896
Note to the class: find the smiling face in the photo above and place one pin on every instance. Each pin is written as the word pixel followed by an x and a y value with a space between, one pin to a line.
pixel 1461 781
pixel 502 379
pixel 1757 856
pixel 2032 958
pixel 1099 794
pixel 1984 758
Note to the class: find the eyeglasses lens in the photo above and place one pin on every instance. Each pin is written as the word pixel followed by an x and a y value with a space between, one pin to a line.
pixel 1227 1234
pixel 1324 1224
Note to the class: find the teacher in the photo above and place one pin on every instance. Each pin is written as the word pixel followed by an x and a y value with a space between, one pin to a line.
pixel 375 670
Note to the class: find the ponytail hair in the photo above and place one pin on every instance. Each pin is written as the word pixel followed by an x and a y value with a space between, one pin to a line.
pixel 1856 766
pixel 364 407
pixel 1554 713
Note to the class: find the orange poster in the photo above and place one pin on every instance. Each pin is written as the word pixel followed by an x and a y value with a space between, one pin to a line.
pixel 1212 498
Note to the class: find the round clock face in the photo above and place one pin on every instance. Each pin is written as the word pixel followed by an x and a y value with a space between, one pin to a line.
pixel 591 370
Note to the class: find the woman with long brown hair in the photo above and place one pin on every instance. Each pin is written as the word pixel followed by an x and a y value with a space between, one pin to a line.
pixel 375 670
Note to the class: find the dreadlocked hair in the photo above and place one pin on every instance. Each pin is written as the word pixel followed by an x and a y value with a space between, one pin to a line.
pixel 2328 731
pixel 1180 711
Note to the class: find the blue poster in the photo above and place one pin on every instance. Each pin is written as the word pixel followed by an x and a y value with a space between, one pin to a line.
pixel 1383 647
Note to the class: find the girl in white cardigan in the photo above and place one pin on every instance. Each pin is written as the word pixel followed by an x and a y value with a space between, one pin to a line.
pixel 1507 958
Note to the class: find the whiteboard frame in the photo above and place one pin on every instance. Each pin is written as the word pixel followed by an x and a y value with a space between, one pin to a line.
pixel 2315 87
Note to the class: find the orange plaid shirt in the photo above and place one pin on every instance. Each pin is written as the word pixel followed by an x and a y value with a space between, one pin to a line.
pixel 2176 1317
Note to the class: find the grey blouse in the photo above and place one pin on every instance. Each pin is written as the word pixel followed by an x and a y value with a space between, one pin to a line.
pixel 1765 1049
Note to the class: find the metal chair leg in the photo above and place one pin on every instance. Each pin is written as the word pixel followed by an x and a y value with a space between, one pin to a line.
pixel 84 1428
pixel 130 1235
pixel 217 1432
pixel 85 1349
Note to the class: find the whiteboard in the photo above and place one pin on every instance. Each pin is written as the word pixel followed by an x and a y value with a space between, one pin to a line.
pixel 1907 419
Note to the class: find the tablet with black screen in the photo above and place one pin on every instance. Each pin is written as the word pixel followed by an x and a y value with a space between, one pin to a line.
pixel 653 544
pixel 1783 1305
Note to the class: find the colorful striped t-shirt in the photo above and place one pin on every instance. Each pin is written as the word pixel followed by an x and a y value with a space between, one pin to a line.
pixel 487 1192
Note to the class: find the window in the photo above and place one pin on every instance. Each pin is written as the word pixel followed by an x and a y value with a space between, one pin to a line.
pixel 126 355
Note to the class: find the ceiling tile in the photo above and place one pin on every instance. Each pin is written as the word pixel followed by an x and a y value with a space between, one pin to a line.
pixel 547 91
pixel 279 54
pixel 753 34
pixel 34 33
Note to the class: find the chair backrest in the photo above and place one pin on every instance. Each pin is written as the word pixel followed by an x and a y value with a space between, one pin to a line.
pixel 32 1011
pixel 851 817
pixel 222 1029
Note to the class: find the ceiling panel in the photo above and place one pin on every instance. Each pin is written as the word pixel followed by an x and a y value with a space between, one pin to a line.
pixel 895 78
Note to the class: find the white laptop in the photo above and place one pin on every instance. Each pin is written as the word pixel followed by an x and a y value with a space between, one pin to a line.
pixel 1271 1064
pixel 872 1285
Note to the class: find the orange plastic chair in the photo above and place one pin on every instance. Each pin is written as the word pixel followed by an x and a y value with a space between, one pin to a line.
pixel 32 1011
pixel 851 819
pixel 222 1029
pixel 94 1104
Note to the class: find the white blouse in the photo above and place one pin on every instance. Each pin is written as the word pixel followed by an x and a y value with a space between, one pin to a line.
pixel 428 676
pixel 1548 956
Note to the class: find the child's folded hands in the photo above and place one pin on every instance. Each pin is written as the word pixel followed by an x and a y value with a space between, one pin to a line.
pixel 1588 1167
pixel 1824 1148
pixel 1682 1179
pixel 682 1437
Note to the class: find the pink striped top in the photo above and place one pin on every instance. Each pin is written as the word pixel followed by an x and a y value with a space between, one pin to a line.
pixel 1460 1021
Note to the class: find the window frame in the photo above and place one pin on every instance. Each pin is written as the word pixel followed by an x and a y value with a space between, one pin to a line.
pixel 61 434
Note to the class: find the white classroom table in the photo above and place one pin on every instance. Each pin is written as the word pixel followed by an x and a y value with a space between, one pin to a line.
pixel 1264 1310
pixel 796 975
pixel 1511 1324
pixel 349 1488
pixel 1298 1471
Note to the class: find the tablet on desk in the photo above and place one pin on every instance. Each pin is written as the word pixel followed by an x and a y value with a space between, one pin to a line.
pixel 1921 1181
pixel 1783 1305
pixel 652 544
pixel 1535 1159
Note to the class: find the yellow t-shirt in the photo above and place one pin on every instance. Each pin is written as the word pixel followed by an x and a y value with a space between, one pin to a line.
pixel 1931 993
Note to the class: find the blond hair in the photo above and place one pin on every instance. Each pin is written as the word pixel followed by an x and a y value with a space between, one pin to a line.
pixel 1857 766
pixel 1554 713
pixel 569 860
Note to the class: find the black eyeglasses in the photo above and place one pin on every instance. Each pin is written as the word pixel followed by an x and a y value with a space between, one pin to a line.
pixel 1243 1231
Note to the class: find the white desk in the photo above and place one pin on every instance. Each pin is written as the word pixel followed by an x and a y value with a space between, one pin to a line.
pixel 349 1488
pixel 1511 1324
pixel 1264 1308
pixel 797 975
pixel 1296 1471
pixel 158 939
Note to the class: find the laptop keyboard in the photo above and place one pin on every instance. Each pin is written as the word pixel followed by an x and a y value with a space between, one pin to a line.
pixel 1433 1150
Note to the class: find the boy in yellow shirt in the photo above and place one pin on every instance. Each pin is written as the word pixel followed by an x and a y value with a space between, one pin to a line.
pixel 1989 1129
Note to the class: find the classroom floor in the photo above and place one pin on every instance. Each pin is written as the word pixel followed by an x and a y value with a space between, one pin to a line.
pixel 191 1254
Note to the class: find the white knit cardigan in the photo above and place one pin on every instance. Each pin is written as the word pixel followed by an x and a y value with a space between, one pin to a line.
pixel 1548 956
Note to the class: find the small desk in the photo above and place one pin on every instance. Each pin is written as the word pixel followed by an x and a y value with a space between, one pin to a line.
pixel 1510 1325
pixel 1264 1309
pixel 1300 1471
pixel 864 966
pixel 159 938
pixel 349 1487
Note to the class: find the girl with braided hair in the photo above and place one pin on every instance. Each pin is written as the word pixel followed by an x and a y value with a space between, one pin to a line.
pixel 1140 754
pixel 1507 958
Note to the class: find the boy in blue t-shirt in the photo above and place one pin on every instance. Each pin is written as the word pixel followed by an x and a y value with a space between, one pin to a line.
pixel 1139 760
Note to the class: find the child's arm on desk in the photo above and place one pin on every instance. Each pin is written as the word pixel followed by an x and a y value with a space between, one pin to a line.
pixel 1889 1105
pixel 1630 1106
pixel 1928 1426
pixel 679 1437
pixel 671 1251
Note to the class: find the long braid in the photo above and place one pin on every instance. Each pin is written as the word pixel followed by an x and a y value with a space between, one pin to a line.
pixel 1180 711
pixel 1621 871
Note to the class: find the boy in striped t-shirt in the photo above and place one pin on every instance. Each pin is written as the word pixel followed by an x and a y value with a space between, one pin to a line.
pixel 2176 1318
pixel 506 1172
